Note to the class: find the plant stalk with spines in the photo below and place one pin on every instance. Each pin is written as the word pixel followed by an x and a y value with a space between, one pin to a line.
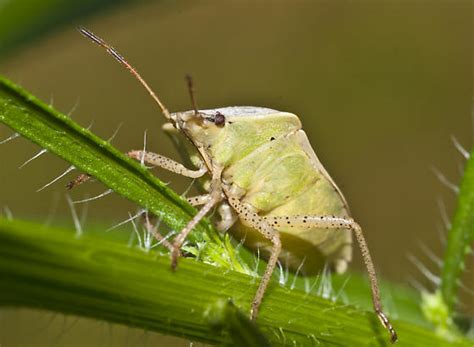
pixel 440 306
pixel 460 238
pixel 49 268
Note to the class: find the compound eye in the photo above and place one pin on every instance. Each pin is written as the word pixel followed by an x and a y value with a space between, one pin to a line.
pixel 219 119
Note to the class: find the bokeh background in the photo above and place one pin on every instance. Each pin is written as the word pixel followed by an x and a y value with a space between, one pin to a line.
pixel 381 88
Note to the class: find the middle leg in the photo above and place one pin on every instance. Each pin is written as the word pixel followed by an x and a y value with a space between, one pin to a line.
pixel 251 218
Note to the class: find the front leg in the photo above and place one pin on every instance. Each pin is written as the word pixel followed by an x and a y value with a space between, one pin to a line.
pixel 166 163
pixel 333 222
pixel 252 219
pixel 153 159
pixel 198 200
pixel 210 200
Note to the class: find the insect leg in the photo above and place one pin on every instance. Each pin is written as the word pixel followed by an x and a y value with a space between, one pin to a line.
pixel 166 163
pixel 332 222
pixel 152 159
pixel 198 200
pixel 82 178
pixel 152 229
pixel 228 218
pixel 215 196
pixel 250 217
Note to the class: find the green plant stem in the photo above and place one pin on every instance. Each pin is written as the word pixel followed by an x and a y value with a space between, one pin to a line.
pixel 440 307
pixel 226 318
pixel 51 269
pixel 460 238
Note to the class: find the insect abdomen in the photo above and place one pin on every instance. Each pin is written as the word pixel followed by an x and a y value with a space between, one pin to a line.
pixel 280 180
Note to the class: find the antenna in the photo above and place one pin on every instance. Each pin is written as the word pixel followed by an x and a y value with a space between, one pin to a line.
pixel 129 67
pixel 189 80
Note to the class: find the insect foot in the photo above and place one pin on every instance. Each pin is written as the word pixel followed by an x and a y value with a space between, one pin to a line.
pixel 174 257
pixel 78 181
pixel 387 325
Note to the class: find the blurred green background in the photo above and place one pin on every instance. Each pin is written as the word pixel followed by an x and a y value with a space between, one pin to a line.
pixel 381 87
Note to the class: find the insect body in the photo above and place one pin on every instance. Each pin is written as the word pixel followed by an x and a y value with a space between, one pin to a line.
pixel 269 186
pixel 269 165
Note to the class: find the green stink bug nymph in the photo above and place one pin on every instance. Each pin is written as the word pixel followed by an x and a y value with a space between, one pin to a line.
pixel 267 183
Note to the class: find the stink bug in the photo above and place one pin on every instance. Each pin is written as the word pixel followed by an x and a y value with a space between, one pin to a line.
pixel 268 184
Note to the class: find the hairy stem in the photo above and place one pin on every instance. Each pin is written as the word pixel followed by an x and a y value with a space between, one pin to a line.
pixel 51 269
pixel 460 238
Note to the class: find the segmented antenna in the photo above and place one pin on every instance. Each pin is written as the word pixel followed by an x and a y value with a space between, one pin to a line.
pixel 189 80
pixel 129 67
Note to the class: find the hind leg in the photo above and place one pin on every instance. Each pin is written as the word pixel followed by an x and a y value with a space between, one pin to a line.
pixel 333 222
